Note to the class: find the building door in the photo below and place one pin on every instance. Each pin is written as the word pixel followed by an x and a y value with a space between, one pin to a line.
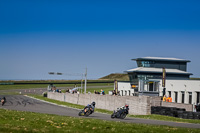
pixel 122 92
pixel 169 92
pixel 150 86
pixel 198 97
pixel 176 97
pixel 190 97
pixel 183 97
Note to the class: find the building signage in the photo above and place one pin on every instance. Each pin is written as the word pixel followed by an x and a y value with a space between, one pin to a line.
pixel 163 77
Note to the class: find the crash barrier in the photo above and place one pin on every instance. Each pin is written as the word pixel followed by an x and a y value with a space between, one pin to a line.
pixel 175 112
pixel 137 105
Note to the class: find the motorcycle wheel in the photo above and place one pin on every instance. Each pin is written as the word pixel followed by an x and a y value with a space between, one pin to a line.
pixel 113 115
pixel 123 115
pixel 2 102
pixel 87 113
pixel 81 113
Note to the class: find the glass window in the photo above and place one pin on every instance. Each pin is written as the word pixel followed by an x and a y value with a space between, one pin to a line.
pixel 190 97
pixel 176 96
pixel 145 63
pixel 183 97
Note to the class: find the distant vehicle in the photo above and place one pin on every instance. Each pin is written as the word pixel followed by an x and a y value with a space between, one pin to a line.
pixel 74 90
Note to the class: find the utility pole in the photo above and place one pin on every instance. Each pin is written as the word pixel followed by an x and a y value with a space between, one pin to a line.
pixel 81 83
pixel 85 80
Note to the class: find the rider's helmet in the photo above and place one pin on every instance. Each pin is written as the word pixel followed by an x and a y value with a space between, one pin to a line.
pixel 93 104
pixel 126 105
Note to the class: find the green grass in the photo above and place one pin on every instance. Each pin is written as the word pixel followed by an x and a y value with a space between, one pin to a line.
pixel 166 118
pixel 26 86
pixel 32 86
pixel 9 93
pixel 153 116
pixel 52 81
pixel 18 122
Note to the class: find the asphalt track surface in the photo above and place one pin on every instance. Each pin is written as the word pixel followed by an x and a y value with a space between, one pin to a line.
pixel 24 103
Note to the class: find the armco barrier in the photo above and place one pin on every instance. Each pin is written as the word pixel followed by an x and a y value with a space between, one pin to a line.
pixel 137 105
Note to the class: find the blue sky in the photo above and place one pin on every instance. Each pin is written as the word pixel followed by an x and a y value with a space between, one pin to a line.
pixel 40 36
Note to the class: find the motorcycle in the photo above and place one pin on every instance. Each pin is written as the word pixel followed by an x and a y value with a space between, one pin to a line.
pixel 2 101
pixel 120 113
pixel 85 112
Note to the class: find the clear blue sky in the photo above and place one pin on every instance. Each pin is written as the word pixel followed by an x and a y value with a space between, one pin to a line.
pixel 39 36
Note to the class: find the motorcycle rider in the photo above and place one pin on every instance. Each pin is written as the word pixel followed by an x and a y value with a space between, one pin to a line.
pixel 90 106
pixel 122 109
pixel 3 100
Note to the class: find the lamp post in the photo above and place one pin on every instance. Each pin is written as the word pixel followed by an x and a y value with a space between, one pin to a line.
pixel 85 80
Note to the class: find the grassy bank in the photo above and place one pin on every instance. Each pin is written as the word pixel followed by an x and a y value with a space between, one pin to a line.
pixel 155 117
pixel 31 86
pixel 18 122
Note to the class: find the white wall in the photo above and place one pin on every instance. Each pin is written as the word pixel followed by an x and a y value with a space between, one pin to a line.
pixel 125 88
pixel 182 86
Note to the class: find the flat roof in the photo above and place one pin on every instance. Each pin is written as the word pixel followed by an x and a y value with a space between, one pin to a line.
pixel 161 59
pixel 157 70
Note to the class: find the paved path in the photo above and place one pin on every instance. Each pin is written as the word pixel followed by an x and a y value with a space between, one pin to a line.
pixel 23 103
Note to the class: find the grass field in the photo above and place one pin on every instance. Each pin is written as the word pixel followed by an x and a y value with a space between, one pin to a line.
pixel 105 86
pixel 18 122
pixel 30 86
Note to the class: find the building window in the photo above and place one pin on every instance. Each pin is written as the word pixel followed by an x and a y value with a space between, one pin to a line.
pixel 190 97
pixel 122 92
pixel 145 63
pixel 169 93
pixel 198 97
pixel 183 97
pixel 176 96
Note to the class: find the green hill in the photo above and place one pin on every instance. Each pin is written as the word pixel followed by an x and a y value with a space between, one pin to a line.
pixel 116 76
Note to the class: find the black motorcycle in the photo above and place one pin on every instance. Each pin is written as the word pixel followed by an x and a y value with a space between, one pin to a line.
pixel 120 113
pixel 85 112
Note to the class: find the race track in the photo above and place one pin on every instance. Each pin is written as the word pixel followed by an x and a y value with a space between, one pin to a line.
pixel 24 103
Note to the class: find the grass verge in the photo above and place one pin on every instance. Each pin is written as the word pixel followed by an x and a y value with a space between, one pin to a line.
pixel 29 86
pixel 19 121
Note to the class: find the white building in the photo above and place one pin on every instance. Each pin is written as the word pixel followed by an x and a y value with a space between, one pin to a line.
pixel 147 79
